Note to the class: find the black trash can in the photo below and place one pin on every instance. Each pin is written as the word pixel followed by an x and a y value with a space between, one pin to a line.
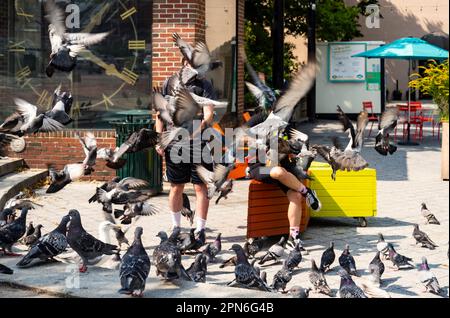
pixel 145 165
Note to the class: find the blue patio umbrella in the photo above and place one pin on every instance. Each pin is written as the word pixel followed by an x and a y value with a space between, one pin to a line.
pixel 406 49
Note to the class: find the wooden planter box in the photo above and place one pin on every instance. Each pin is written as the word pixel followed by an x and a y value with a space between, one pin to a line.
pixel 267 211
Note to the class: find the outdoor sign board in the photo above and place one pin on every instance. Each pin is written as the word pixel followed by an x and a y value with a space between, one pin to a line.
pixel 342 67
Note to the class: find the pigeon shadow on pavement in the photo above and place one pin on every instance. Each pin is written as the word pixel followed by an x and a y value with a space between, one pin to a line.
pixel 400 290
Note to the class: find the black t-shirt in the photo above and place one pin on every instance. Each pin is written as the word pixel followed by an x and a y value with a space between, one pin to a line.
pixel 201 87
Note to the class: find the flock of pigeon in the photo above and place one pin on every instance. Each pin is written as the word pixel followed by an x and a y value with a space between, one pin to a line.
pixel 177 110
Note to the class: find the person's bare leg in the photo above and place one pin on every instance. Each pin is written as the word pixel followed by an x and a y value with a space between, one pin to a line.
pixel 176 203
pixel 286 178
pixel 295 208
pixel 202 205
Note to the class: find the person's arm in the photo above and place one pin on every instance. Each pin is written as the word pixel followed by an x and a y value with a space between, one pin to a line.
pixel 208 115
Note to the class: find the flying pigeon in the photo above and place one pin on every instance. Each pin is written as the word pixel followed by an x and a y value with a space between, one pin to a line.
pixel 215 180
pixel 65 46
pixel 423 238
pixel 31 239
pixel 137 209
pixel 431 219
pixel 382 246
pixel 347 261
pixel 281 279
pixel 134 267
pixel 245 274
pixel 167 258
pixel 298 292
pixel 12 232
pixel 376 268
pixel 5 270
pixel 62 104
pixel 398 260
pixel 19 204
pixel 327 259
pixel 348 288
pixel 32 122
pixel 294 258
pixel 163 108
pixel 428 279
pixel 275 252
pixel 198 268
pixel 226 188
pixel 318 280
pixel 253 246
pixel 12 124
pixel 123 195
pixel 198 57
pixel 129 182
pixel 386 126
pixel 186 210
pixel 71 172
pixel 49 245
pixel 84 244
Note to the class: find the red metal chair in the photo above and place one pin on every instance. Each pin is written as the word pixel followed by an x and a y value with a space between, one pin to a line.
pixel 415 120
pixel 368 106
pixel 427 116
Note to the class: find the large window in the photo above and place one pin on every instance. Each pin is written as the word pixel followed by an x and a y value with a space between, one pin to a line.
pixel 111 76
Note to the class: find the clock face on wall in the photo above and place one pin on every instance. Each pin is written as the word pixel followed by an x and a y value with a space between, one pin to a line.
pixel 111 76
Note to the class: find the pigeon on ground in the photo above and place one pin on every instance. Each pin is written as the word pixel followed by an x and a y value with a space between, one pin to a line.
pixel 347 261
pixel 431 219
pixel 281 279
pixel 62 105
pixel 34 123
pixel 104 229
pixel 318 280
pixel 348 288
pixel 31 239
pixel 198 268
pixel 245 274
pixel 134 267
pixel 186 241
pixel 294 258
pixel 215 180
pixel 275 252
pixel 30 229
pixel 7 216
pixel 382 246
pixel 386 126
pixel 167 258
pixel 423 238
pixel 129 182
pixel 226 188
pixel 186 210
pixel 65 46
pixel 428 279
pixel 48 246
pixel 5 270
pixel 85 245
pixel 214 248
pixel 198 57
pixel 12 232
pixel 298 292
pixel 376 269
pixel 253 246
pixel 229 262
pixel 398 260
pixel 327 259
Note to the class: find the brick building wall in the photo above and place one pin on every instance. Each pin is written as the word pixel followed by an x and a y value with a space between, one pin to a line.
pixel 187 18
pixel 61 148
pixel 240 68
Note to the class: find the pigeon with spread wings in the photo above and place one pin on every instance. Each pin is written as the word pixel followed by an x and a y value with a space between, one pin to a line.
pixel 386 126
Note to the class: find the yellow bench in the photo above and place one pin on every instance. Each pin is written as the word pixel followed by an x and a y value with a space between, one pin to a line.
pixel 353 194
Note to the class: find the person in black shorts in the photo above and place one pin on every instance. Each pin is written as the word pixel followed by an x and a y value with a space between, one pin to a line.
pixel 178 174
pixel 289 184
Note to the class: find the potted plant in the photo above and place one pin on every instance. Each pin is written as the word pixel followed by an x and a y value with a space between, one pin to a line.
pixel 435 82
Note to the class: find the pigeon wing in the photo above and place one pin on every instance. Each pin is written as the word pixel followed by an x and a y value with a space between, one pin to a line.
pixel 55 17
pixel 363 120
pixel 186 108
pixel 185 48
pixel 26 110
pixel 201 55
pixel 346 123
pixel 85 39
pixel 388 120
pixel 50 125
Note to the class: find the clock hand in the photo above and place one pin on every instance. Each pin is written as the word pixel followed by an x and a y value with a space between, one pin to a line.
pixel 96 19
pixel 110 69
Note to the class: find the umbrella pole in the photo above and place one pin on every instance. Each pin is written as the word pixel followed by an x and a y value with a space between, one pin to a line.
pixel 408 140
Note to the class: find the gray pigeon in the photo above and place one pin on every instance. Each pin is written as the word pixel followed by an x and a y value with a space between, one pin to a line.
pixel 423 238
pixel 382 246
pixel 398 260
pixel 253 246
pixel 214 248
pixel 216 180
pixel 19 204
pixel 134 267
pixel 348 288
pixel 12 232
pixel 294 258
pixel 226 188
pixel 48 246
pixel 245 274
pixel 136 210
pixel 129 182
pixel 186 210
pixel 62 103
pixel 5 270
pixel 275 252
pixel 12 124
pixel 386 126
pixel 186 241
pixel 282 278
pixel 85 245
pixel 376 268
pixel 327 259
pixel 347 261
pixel 298 292
pixel 198 268
pixel 318 280
pixel 167 258
pixel 428 279
pixel 431 219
